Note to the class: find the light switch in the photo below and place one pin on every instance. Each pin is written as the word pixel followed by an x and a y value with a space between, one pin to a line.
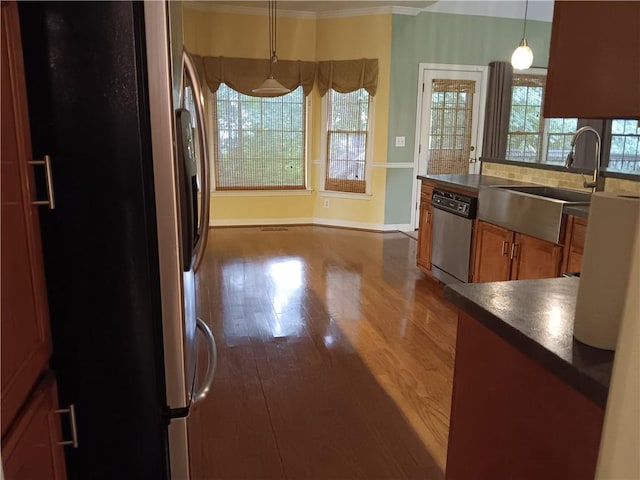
pixel 399 141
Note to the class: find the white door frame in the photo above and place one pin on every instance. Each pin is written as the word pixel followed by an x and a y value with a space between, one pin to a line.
pixel 423 70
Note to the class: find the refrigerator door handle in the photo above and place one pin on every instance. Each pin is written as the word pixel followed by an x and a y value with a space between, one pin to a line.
pixel 203 391
pixel 203 227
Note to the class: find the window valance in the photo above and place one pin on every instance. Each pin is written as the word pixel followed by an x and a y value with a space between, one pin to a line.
pixel 346 76
pixel 245 74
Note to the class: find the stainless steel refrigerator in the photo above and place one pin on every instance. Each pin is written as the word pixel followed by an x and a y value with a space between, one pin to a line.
pixel 116 104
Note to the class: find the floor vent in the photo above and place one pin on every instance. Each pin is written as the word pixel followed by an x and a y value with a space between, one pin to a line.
pixel 274 229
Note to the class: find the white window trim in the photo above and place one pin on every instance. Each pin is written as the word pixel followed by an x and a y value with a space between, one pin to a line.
pixel 368 165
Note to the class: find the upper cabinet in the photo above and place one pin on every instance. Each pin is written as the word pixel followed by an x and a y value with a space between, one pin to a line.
pixel 594 60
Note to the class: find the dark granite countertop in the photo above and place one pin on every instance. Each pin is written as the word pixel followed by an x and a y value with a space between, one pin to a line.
pixel 577 210
pixel 470 181
pixel 536 317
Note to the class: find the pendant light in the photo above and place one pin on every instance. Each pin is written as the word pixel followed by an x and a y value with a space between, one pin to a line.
pixel 522 57
pixel 271 86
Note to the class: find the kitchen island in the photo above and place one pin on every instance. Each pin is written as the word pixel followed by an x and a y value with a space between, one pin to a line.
pixel 528 399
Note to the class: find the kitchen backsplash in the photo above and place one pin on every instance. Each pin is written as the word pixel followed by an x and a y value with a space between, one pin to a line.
pixel 556 179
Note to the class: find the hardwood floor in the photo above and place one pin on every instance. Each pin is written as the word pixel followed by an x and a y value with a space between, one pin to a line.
pixel 335 357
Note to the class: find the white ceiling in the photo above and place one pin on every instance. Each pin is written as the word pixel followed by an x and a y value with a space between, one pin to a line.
pixel 537 9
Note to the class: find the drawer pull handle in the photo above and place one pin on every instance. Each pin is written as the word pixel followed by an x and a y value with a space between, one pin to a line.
pixel 505 248
pixel 74 429
pixel 50 201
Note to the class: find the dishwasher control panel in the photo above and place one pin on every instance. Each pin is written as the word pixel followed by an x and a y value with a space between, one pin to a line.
pixel 454 203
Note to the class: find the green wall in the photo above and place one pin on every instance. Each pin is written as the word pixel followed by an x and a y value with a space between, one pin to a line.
pixel 441 38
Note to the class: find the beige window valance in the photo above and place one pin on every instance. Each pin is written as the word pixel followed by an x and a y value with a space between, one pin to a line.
pixel 245 74
pixel 346 76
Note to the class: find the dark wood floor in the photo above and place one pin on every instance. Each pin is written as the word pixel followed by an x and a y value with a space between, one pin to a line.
pixel 335 358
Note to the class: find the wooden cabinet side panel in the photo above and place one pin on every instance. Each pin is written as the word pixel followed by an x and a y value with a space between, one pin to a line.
pixel 574 244
pixel 25 335
pixel 594 60
pixel 511 418
pixel 424 226
pixel 480 375
pixel 535 258
pixel 424 236
pixel 490 264
pixel 30 450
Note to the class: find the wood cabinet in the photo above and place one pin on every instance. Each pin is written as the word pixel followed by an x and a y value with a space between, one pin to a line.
pixel 574 244
pixel 31 448
pixel 594 60
pixel 424 230
pixel 28 428
pixel 25 336
pixel 502 254
pixel 512 418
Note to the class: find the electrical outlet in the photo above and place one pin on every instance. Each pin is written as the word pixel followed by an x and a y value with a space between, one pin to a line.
pixel 326 203
pixel 399 141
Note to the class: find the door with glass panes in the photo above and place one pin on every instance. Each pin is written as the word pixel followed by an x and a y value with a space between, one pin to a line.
pixel 449 127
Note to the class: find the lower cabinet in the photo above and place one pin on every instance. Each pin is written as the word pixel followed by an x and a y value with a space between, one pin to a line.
pixel 32 447
pixel 425 229
pixel 502 254
pixel 513 419
pixel 574 244
pixel 424 236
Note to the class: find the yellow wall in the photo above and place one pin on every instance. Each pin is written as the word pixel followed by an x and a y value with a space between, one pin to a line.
pixel 556 179
pixel 241 35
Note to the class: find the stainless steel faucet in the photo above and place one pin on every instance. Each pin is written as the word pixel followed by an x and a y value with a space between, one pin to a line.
pixel 594 184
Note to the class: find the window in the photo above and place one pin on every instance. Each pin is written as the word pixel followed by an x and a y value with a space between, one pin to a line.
pixel 347 141
pixel 624 154
pixel 259 142
pixel 450 125
pixel 531 137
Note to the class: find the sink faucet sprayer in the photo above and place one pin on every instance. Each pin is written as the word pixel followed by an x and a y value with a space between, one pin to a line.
pixel 596 172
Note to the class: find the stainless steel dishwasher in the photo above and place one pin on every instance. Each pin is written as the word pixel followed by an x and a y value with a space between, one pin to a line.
pixel 453 216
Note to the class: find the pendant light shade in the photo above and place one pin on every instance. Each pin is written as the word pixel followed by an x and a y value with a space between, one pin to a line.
pixel 271 86
pixel 522 57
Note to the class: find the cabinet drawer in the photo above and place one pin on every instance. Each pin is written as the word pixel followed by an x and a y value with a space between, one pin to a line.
pixel 31 448
pixel 426 192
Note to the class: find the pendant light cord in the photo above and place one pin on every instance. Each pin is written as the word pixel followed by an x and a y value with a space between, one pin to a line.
pixel 272 31
pixel 526 8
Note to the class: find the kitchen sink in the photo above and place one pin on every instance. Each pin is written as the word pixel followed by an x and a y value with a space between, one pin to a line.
pixel 535 210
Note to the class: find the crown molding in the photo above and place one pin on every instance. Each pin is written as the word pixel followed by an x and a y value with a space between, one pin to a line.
pixel 213 7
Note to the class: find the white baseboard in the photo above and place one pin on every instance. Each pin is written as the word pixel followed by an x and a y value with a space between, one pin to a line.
pixel 252 222
pixel 327 222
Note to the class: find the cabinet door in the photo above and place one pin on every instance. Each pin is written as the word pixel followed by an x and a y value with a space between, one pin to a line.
pixel 491 256
pixel 576 245
pixel 25 337
pixel 534 258
pixel 594 60
pixel 424 235
pixel 31 448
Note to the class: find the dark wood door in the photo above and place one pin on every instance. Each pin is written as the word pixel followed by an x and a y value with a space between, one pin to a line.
pixel 534 258
pixel 492 253
pixel 26 342
pixel 31 448
pixel 424 235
